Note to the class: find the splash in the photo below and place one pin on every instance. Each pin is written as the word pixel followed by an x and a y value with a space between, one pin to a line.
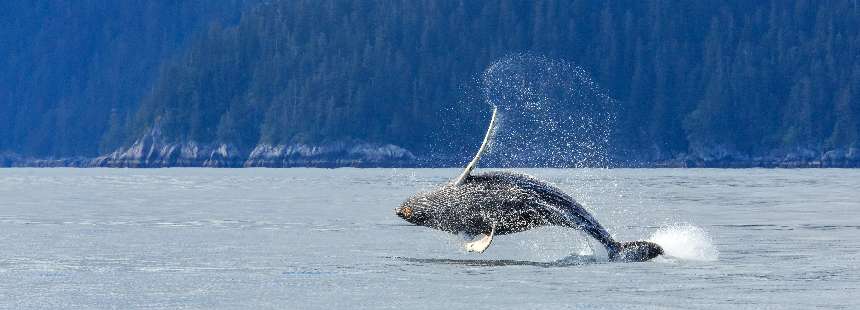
pixel 685 242
pixel 551 114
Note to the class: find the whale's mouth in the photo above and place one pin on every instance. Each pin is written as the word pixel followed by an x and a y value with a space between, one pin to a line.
pixel 404 212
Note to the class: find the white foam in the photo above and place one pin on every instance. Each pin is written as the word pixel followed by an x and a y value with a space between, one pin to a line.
pixel 685 242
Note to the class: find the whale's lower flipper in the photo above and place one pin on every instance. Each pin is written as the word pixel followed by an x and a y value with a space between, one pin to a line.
pixel 482 244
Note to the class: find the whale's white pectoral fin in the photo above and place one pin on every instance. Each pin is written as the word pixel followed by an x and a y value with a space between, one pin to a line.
pixel 488 137
pixel 482 244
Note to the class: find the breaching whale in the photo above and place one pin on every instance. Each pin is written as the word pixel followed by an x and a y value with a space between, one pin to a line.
pixel 500 203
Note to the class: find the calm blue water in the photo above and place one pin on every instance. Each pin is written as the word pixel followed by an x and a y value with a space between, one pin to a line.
pixel 324 239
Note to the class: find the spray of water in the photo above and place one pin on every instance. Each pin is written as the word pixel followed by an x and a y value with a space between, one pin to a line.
pixel 685 242
pixel 551 114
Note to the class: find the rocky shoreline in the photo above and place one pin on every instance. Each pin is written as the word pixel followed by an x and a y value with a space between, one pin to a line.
pixel 799 158
pixel 279 157
pixel 151 151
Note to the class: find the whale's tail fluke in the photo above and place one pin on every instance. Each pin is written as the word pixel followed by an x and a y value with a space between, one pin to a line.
pixel 634 251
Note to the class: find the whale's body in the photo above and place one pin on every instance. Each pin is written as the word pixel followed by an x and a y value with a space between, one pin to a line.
pixel 512 202
pixel 500 203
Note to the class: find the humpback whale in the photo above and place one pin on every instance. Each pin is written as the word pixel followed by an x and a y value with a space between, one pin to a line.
pixel 500 203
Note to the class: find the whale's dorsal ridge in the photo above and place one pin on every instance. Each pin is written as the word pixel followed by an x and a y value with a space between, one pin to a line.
pixel 488 137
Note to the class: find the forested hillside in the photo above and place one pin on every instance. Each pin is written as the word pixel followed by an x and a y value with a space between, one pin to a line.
pixel 68 67
pixel 697 83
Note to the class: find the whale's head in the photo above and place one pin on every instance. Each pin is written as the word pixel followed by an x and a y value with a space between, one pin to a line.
pixel 448 208
pixel 435 209
pixel 417 210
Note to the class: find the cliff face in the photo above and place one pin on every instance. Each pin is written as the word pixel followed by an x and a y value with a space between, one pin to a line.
pixel 153 151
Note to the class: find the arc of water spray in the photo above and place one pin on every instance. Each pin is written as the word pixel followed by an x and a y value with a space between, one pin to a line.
pixel 488 137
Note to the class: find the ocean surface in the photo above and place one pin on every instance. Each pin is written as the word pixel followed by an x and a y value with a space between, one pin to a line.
pixel 329 239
